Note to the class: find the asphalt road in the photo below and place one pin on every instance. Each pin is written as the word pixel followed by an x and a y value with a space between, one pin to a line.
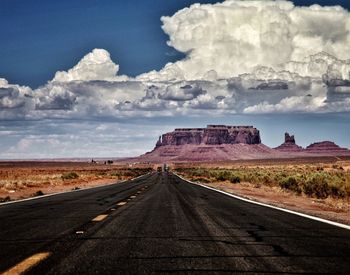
pixel 161 224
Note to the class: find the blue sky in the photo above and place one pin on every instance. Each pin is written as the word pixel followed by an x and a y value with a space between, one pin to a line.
pixel 42 37
pixel 89 78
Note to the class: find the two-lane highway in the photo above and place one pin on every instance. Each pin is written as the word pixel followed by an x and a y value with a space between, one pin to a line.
pixel 162 224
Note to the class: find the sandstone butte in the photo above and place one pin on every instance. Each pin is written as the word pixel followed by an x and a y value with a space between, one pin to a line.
pixel 212 135
pixel 223 143
pixel 289 144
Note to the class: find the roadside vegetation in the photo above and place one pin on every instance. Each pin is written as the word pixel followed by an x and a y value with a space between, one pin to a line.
pixel 13 179
pixel 316 181
pixel 69 176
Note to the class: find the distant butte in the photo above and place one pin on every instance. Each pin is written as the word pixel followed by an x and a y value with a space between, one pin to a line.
pixel 212 135
pixel 289 144
pixel 213 143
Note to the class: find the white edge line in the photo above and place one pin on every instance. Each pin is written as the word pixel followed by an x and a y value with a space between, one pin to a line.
pixel 270 206
pixel 65 192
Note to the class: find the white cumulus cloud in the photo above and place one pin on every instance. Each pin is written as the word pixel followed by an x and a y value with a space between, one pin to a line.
pixel 96 65
pixel 15 101
pixel 231 38
pixel 241 57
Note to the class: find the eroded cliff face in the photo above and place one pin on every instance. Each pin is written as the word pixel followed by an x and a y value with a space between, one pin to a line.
pixel 212 135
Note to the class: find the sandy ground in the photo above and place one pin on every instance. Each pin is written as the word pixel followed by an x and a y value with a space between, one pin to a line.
pixel 332 209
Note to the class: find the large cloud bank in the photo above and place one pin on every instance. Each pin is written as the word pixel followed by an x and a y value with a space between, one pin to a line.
pixel 234 37
pixel 241 57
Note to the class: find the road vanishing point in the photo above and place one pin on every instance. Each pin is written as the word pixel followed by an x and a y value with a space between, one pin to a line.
pixel 160 224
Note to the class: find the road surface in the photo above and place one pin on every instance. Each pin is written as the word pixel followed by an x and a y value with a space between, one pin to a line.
pixel 161 224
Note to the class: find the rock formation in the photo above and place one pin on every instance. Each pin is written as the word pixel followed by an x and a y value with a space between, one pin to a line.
pixel 159 142
pixel 289 144
pixel 289 139
pixel 326 148
pixel 213 143
pixel 226 143
pixel 212 135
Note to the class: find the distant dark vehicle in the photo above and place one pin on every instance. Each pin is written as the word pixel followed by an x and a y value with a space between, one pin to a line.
pixel 159 169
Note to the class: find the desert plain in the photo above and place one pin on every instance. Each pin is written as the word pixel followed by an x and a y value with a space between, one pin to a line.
pixel 318 186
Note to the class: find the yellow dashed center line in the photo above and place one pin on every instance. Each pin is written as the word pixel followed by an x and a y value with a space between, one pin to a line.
pixel 26 264
pixel 99 218
pixel 33 260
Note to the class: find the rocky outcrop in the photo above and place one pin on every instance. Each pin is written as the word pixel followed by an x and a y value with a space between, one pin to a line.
pixel 159 142
pixel 289 139
pixel 326 148
pixel 212 135
pixel 289 144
